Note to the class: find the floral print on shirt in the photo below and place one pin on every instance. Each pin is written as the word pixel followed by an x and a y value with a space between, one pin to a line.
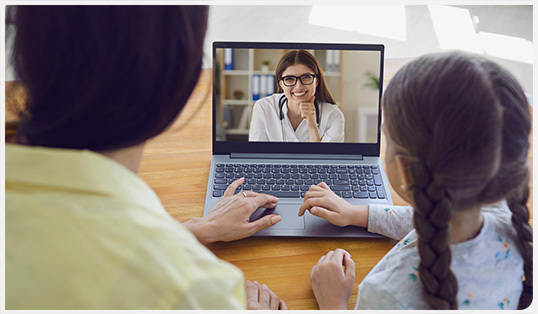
pixel 504 253
pixel 403 242
pixel 504 303
pixel 388 211
pixel 414 274
pixel 468 299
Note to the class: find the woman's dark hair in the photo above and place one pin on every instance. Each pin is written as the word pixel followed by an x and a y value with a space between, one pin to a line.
pixel 463 124
pixel 104 77
pixel 304 57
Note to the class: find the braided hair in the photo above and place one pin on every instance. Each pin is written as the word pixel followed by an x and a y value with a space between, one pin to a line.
pixel 463 124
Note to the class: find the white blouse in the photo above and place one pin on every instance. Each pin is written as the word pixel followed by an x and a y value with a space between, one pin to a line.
pixel 267 126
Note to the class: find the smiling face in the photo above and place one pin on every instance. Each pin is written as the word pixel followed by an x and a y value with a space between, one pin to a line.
pixel 298 93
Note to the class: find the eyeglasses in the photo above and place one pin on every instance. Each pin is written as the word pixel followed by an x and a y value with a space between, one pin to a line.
pixel 290 80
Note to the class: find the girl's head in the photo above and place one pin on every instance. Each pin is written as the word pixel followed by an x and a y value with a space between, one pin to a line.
pixel 104 77
pixel 461 125
pixel 299 63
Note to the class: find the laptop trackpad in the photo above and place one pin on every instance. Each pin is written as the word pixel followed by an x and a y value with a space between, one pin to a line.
pixel 288 212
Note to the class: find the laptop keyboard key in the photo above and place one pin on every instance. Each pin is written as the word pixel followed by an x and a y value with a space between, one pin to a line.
pixel 380 192
pixel 377 179
pixel 341 182
pixel 360 195
pixel 282 194
pixel 341 188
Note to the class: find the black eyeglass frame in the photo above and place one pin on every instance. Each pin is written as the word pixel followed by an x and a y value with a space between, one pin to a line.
pixel 300 78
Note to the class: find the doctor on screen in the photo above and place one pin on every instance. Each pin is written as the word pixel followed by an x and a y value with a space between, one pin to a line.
pixel 303 110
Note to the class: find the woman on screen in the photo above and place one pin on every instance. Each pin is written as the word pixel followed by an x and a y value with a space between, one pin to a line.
pixel 302 110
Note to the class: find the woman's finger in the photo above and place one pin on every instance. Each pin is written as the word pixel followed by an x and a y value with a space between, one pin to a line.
pixel 230 190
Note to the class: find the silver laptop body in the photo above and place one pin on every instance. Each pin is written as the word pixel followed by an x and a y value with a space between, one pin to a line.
pixel 352 72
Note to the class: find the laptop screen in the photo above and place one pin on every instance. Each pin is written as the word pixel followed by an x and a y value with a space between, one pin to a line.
pixel 297 97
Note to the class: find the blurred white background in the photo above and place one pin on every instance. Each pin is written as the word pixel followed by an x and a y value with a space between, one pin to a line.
pixel 502 32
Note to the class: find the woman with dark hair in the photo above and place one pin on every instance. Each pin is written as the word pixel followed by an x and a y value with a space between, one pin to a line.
pixel 302 110
pixel 457 128
pixel 82 230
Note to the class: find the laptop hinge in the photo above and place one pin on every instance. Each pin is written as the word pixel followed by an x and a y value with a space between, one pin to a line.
pixel 294 156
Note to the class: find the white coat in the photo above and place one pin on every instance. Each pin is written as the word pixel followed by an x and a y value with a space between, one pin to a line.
pixel 267 126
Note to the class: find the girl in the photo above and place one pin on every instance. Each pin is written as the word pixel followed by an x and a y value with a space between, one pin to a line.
pixel 457 129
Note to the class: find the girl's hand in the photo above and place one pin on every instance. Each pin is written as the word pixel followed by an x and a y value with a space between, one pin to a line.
pixel 321 201
pixel 331 283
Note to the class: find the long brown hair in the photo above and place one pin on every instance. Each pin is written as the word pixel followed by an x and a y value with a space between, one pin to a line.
pixel 306 58
pixel 463 123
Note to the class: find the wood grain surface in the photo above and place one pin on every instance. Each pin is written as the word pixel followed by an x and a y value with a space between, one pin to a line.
pixel 176 166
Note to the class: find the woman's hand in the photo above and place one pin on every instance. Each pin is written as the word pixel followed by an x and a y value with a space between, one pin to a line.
pixel 331 284
pixel 259 297
pixel 307 110
pixel 229 220
pixel 321 201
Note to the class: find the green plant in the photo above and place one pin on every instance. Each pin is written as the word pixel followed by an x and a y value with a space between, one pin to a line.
pixel 372 80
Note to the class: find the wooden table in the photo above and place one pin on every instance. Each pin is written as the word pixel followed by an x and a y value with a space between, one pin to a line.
pixel 176 165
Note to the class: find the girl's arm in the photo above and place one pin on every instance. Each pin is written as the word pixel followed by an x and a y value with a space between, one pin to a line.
pixel 391 221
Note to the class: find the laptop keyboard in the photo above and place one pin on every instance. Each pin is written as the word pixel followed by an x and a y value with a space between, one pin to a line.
pixel 294 180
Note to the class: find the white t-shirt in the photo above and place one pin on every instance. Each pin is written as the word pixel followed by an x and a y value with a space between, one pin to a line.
pixel 488 267
pixel 267 126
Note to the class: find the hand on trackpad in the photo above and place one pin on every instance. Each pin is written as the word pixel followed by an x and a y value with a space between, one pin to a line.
pixel 288 212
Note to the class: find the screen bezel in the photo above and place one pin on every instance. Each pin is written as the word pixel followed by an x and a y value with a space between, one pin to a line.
pixel 228 147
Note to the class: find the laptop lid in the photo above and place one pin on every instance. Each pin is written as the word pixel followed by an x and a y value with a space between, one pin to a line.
pixel 244 72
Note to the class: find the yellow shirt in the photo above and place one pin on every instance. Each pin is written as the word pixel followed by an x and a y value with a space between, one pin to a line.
pixel 84 232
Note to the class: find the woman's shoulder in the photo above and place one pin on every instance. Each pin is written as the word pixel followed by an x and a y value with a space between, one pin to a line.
pixel 267 105
pixel 331 109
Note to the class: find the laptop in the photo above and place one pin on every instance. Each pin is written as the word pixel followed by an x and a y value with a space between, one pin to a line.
pixel 286 166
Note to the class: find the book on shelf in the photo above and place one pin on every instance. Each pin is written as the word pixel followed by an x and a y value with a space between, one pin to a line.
pixel 263 85
pixel 228 59
pixel 256 87
pixel 270 85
